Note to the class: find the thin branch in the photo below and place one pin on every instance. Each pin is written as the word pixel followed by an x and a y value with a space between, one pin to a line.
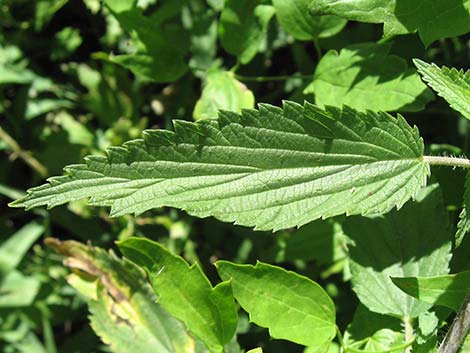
pixel 458 330
pixel 271 78
pixel 27 157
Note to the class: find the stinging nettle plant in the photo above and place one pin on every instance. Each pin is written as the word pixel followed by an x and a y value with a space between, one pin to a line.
pixel 275 168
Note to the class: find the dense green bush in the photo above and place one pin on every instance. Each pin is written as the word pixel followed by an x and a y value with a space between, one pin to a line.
pixel 285 175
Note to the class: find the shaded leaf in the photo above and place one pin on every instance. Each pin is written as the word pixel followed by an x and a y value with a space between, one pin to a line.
pixel 366 77
pixel 448 290
pixel 414 241
pixel 433 19
pixel 18 290
pixel 294 17
pixel 272 168
pixel 186 292
pixel 243 26
pixel 290 305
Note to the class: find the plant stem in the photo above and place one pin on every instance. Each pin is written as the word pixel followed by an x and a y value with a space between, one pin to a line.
pixel 317 49
pixel 409 334
pixel 447 161
pixel 30 160
pixel 458 330
pixel 340 339
pixel 271 78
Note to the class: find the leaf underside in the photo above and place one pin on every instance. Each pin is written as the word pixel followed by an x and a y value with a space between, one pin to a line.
pixel 270 168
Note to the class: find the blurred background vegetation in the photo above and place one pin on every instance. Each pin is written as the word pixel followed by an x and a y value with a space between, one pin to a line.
pixel 69 88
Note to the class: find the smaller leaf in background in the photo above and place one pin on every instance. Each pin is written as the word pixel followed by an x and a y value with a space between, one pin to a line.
pixel 157 57
pixel 322 241
pixel 13 66
pixel 414 241
pixel 366 77
pixel 426 333
pixel 18 290
pixel 448 290
pixel 291 306
pixel 451 84
pixel 372 332
pixel 45 10
pixel 13 250
pixel 242 28
pixel 66 42
pixel 294 17
pixel 433 19
pixel 186 293
pixel 222 91
pixel 256 350
pixel 124 312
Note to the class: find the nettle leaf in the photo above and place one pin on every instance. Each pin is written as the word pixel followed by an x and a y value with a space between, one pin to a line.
pixel 433 19
pixel 448 290
pixel 222 91
pixel 124 312
pixel 270 168
pixel 366 77
pixel 243 26
pixel 294 17
pixel 158 57
pixel 414 241
pixel 290 305
pixel 186 292
pixel 451 84
pixel 463 227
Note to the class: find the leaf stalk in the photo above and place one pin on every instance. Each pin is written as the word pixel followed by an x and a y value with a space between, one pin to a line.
pixel 447 161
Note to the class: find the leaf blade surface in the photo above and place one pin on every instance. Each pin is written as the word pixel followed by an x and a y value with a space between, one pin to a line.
pixel 270 168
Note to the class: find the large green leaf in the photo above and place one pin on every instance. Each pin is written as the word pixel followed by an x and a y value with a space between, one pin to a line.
pixel 243 26
pixel 272 168
pixel 290 305
pixel 366 77
pixel 433 19
pixel 186 292
pixel 451 84
pixel 448 290
pixel 294 17
pixel 124 312
pixel 222 91
pixel 414 241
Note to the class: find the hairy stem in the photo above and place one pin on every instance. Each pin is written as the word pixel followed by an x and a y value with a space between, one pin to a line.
pixel 458 330
pixel 409 334
pixel 447 161
pixel 30 160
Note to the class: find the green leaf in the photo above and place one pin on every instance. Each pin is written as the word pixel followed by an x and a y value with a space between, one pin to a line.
pixel 222 92
pixel 13 250
pixel 451 84
pixel 290 305
pixel 433 19
pixel 124 312
pixel 186 292
pixel 243 26
pixel 414 241
pixel 294 17
pixel 256 350
pixel 448 290
pixel 18 290
pixel 366 77
pixel 158 57
pixel 272 168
